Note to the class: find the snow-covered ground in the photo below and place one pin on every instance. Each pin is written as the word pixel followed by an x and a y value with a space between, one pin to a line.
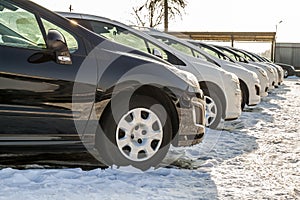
pixel 254 157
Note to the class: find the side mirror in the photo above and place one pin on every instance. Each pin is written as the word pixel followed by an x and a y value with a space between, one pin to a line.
pixel 56 43
pixel 57 50
pixel 157 53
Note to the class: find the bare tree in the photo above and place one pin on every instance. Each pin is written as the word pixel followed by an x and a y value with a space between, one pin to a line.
pixel 153 12
pixel 166 15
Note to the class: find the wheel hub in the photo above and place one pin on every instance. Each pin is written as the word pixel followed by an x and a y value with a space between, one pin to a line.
pixel 139 134
pixel 211 111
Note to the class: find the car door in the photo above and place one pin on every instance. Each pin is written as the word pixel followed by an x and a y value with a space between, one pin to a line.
pixel 36 99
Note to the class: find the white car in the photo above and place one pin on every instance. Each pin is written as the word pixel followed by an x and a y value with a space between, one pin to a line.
pixel 279 69
pixel 261 73
pixel 254 61
pixel 221 88
pixel 272 75
pixel 249 82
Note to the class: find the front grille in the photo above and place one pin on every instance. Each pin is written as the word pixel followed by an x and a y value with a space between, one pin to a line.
pixel 198 112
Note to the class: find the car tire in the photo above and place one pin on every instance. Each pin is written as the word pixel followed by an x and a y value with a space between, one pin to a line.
pixel 243 103
pixel 244 96
pixel 213 109
pixel 138 134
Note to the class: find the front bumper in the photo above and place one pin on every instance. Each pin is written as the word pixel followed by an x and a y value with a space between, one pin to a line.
pixel 281 77
pixel 276 84
pixel 264 90
pixel 271 81
pixel 254 95
pixel 233 95
pixel 191 123
pixel 264 86
pixel 233 108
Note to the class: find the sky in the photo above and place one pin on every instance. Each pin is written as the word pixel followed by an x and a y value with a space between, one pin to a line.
pixel 200 15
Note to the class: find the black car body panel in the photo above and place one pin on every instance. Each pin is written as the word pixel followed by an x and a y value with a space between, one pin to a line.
pixel 288 68
pixel 50 105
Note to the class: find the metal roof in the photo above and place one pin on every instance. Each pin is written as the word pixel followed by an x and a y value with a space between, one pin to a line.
pixel 231 37
pixel 228 36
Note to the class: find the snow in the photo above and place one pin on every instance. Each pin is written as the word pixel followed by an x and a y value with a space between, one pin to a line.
pixel 254 157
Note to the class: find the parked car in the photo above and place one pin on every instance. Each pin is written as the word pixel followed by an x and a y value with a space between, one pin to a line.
pixel 258 58
pixel 221 88
pixel 234 55
pixel 249 82
pixel 64 88
pixel 261 73
pixel 289 70
pixel 252 59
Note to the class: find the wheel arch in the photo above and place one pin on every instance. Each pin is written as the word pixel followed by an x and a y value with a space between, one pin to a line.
pixel 244 88
pixel 158 94
pixel 205 85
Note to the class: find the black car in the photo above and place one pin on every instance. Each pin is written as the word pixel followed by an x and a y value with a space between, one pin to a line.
pixel 64 88
pixel 289 70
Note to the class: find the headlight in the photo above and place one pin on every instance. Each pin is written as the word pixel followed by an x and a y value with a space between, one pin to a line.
pixel 263 72
pixel 254 75
pixel 233 77
pixel 255 78
pixel 270 69
pixel 191 80
pixel 189 77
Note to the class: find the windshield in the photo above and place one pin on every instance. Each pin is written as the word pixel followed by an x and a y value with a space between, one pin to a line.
pixel 244 56
pixel 179 46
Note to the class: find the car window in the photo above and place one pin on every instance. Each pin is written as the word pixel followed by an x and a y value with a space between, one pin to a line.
pixel 119 35
pixel 256 59
pixel 176 45
pixel 152 47
pixel 230 55
pixel 126 37
pixel 210 52
pixel 199 55
pixel 225 57
pixel 70 39
pixel 244 56
pixel 19 28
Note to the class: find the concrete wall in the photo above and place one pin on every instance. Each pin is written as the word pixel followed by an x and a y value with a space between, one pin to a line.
pixel 288 53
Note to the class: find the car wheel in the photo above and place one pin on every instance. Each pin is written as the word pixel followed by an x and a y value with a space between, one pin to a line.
pixel 244 97
pixel 213 109
pixel 286 73
pixel 137 135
